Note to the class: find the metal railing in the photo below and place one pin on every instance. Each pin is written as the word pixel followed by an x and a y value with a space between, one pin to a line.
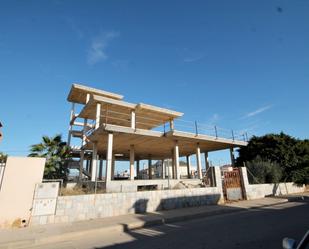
pixel 180 124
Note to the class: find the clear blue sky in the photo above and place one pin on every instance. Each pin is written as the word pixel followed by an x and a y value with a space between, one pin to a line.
pixel 242 65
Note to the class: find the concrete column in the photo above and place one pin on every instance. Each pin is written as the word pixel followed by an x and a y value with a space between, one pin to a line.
pixel 113 167
pixel 173 165
pixel 82 152
pixel 188 166
pixel 245 183
pixel 109 157
pixel 71 126
pixel 81 164
pixel 98 116
pixel 94 162
pixel 132 162
pixel 87 165
pixel 218 180
pixel 176 155
pixel 137 169
pixel 150 168
pixel 163 170
pixel 133 120
pixel 206 161
pixel 87 98
pixel 101 169
pixel 84 132
pixel 232 157
pixel 172 124
pixel 198 162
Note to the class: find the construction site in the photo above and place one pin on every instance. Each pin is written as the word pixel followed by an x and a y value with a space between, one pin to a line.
pixel 110 130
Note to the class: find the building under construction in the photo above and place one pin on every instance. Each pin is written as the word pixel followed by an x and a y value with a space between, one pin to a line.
pixel 112 129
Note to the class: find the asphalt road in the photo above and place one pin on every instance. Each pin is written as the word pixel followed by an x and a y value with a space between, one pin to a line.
pixel 258 228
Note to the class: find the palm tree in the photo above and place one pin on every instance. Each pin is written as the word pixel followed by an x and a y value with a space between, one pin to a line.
pixel 3 157
pixel 56 153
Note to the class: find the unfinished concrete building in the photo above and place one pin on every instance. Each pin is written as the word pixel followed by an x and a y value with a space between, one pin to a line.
pixel 112 129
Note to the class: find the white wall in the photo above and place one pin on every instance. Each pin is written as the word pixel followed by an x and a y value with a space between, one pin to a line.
pixel 16 194
pixel 257 191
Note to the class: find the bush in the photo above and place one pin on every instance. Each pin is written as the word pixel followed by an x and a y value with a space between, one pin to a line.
pixel 263 171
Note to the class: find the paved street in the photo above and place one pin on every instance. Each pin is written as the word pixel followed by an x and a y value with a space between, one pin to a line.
pixel 257 228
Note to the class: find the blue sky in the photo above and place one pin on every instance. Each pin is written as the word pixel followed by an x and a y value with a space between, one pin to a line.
pixel 241 65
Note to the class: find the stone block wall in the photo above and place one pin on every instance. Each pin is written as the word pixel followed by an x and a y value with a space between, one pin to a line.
pixel 85 207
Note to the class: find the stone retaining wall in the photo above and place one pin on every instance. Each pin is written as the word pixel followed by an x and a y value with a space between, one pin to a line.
pixel 85 207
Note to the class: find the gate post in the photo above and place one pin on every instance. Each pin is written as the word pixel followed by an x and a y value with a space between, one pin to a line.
pixel 218 182
pixel 245 182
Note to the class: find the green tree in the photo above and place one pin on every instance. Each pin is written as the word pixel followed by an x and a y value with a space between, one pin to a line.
pixel 260 171
pixel 291 154
pixel 56 153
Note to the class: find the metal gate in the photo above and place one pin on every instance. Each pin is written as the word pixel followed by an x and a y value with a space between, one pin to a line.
pixel 232 185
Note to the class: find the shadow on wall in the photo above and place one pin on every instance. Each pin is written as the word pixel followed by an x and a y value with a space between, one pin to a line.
pixel 140 206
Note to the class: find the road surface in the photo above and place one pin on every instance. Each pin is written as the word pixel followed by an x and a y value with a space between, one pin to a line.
pixel 254 229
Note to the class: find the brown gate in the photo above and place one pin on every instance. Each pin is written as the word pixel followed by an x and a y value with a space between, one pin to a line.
pixel 232 185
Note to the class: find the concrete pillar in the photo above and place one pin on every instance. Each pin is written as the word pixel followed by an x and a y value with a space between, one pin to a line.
pixel 133 121
pixel 245 183
pixel 163 169
pixel 87 165
pixel 188 166
pixel 132 162
pixel 176 155
pixel 101 169
pixel 113 167
pixel 232 157
pixel 218 181
pixel 150 168
pixel 84 132
pixel 198 162
pixel 173 165
pixel 71 126
pixel 94 162
pixel 98 116
pixel 137 169
pixel 81 164
pixel 172 124
pixel 82 152
pixel 206 161
pixel 87 98
pixel 109 157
